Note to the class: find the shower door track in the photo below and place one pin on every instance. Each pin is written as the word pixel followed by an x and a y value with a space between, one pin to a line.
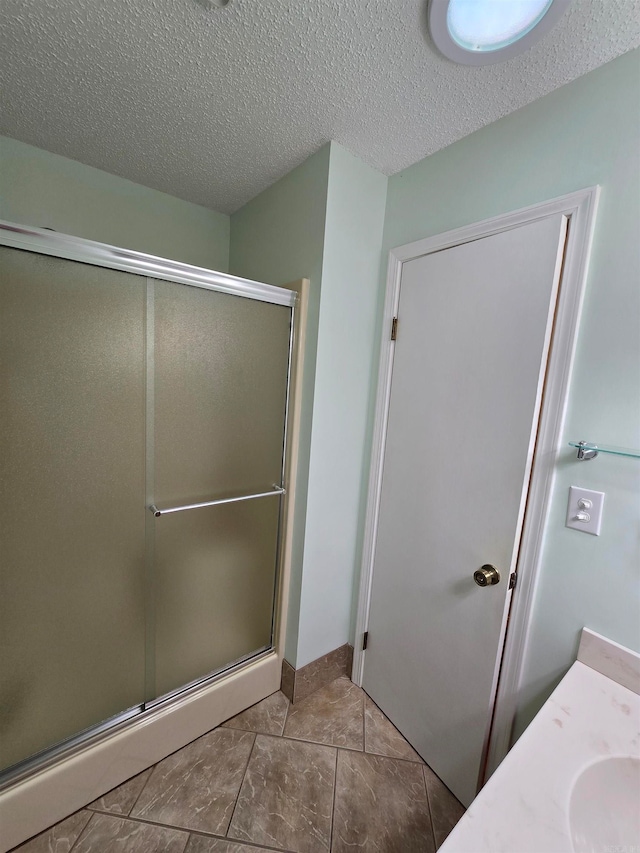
pixel 46 242
pixel 92 736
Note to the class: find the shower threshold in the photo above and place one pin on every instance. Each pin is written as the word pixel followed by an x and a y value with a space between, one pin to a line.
pixel 66 749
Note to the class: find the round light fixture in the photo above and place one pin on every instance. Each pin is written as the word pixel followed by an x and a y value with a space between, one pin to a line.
pixel 212 4
pixel 480 32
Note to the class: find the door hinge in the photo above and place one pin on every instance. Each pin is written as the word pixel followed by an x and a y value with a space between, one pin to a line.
pixel 512 580
pixel 365 640
pixel 394 328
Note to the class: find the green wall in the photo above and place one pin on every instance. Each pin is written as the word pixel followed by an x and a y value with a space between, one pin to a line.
pixel 324 221
pixel 585 133
pixel 339 465
pixel 43 189
pixel 278 237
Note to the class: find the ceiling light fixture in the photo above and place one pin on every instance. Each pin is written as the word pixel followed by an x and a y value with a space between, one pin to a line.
pixel 480 32
pixel 212 4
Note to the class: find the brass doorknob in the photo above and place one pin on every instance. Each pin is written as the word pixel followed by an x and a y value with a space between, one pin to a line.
pixel 486 576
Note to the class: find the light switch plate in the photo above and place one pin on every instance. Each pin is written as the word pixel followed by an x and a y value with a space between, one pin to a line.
pixel 584 510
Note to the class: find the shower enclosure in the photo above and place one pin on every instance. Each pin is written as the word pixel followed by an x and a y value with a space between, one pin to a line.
pixel 143 430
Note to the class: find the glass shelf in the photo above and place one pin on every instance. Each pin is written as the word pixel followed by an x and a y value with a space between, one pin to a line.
pixel 586 450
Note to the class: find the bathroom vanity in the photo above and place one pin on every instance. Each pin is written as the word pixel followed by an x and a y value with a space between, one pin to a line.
pixel 572 781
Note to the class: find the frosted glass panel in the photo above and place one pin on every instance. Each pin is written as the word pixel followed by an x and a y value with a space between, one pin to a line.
pixel 220 392
pixel 215 574
pixel 71 498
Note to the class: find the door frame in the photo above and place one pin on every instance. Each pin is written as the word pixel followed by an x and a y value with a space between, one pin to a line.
pixel 580 209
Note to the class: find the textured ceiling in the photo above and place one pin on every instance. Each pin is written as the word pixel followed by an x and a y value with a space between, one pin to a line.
pixel 214 106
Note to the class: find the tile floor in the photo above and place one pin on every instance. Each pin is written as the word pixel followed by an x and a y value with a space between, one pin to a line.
pixel 329 773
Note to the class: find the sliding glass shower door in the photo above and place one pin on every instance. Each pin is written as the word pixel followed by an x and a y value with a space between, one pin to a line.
pixel 220 366
pixel 125 401
pixel 72 612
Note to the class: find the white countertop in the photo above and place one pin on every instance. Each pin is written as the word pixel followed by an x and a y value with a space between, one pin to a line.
pixel 524 807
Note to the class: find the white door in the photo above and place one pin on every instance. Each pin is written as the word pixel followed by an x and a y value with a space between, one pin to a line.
pixel 474 329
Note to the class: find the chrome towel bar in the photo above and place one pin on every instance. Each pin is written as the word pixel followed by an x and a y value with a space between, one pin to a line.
pixel 276 490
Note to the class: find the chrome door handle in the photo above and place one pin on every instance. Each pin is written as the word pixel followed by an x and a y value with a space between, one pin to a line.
pixel 486 575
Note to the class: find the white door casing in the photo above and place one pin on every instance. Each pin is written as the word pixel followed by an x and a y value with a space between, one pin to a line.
pixel 579 209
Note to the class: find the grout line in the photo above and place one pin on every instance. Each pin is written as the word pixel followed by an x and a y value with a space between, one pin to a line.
pixel 415 763
pixel 418 762
pixel 399 732
pixel 94 810
pixel 255 845
pixel 286 715
pixel 333 803
pixel 426 790
pixel 153 767
pixel 246 767
pixel 151 822
pixel 158 823
pixel 84 829
pixel 317 743
pixel 201 833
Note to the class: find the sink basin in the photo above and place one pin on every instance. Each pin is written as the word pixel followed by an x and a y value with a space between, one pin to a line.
pixel 572 780
pixel 604 810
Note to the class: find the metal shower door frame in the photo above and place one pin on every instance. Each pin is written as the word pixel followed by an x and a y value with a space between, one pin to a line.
pixel 64 246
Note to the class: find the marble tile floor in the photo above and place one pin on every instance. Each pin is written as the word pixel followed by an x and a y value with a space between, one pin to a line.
pixel 329 773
